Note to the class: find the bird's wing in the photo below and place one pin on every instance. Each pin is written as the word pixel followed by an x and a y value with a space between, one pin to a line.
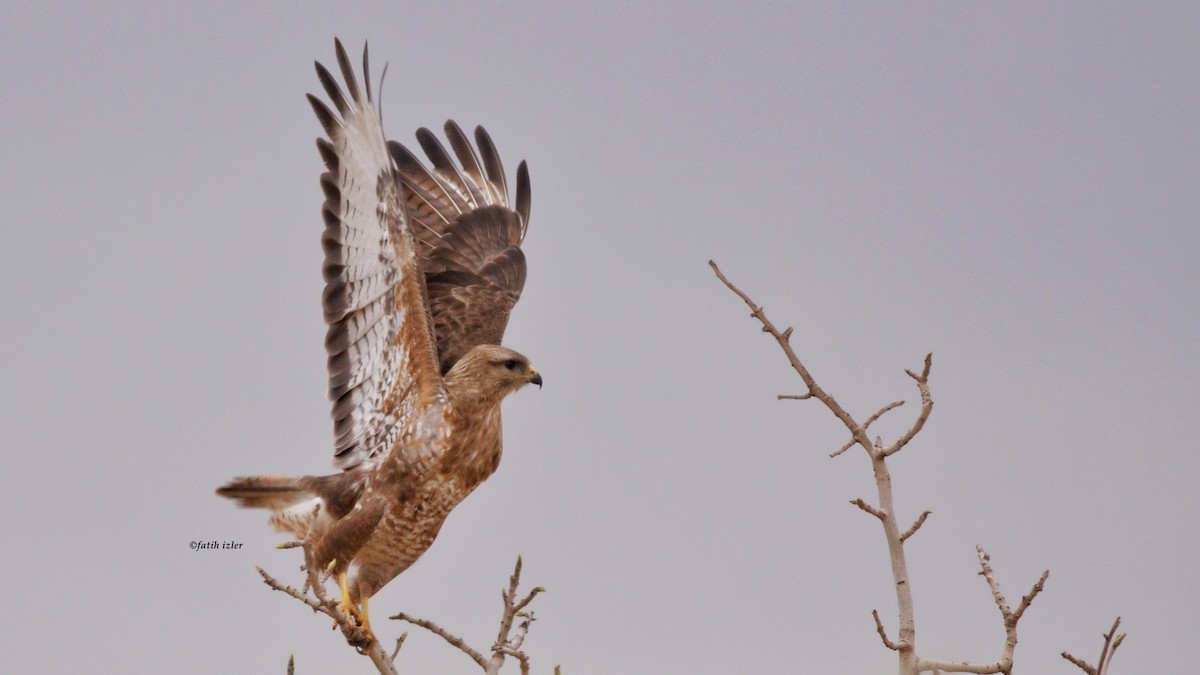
pixel 382 359
pixel 468 235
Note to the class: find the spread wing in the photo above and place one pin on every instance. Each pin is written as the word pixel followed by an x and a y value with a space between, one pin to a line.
pixel 382 363
pixel 468 234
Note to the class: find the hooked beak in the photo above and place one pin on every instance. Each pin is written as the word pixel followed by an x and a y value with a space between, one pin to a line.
pixel 535 377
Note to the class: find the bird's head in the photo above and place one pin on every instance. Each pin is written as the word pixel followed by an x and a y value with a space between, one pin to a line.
pixel 492 370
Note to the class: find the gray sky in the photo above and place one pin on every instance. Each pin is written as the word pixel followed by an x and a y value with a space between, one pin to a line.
pixel 1012 187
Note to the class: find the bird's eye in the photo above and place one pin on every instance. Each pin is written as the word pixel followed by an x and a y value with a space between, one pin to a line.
pixel 511 364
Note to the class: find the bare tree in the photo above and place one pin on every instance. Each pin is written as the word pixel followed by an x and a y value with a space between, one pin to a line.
pixel 515 621
pixel 910 661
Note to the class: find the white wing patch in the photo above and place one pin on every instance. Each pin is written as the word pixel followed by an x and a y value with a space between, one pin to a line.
pixel 369 255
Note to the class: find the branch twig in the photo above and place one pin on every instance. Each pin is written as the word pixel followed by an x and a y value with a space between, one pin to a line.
pixel 507 642
pixel 868 508
pixel 1005 664
pixel 916 525
pixel 1111 642
pixel 926 407
pixel 399 643
pixel 814 391
pixel 883 633
pixel 453 640
pixel 321 603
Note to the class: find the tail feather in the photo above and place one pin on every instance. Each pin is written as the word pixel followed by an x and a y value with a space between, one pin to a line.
pixel 265 492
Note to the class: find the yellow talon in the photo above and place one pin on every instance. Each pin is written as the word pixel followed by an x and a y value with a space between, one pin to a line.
pixel 357 616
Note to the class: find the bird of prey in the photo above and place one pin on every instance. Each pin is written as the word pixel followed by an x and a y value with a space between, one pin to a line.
pixel 423 266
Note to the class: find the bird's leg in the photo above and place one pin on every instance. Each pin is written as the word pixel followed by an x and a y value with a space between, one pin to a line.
pixel 346 605
pixel 366 620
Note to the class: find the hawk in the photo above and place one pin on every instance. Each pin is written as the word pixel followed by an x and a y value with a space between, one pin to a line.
pixel 423 266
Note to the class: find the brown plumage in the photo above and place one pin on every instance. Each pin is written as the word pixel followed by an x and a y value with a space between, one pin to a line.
pixel 422 267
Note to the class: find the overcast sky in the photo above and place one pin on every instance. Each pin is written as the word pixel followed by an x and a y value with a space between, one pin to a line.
pixel 1013 187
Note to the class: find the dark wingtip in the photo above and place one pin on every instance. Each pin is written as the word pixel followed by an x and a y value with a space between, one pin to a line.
pixel 492 164
pixel 524 195
pixel 403 157
pixel 366 71
pixel 434 149
pixel 347 71
pixel 324 114
pixel 331 88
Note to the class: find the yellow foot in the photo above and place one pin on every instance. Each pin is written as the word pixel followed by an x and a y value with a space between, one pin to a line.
pixel 358 618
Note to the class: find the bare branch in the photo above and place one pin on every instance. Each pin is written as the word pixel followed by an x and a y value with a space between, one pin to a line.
pixel 883 633
pixel 454 641
pixel 915 526
pixel 513 648
pixel 504 645
pixel 291 664
pixel 507 642
pixel 794 397
pixel 1004 665
pixel 868 508
pixel 950 667
pixel 1106 655
pixel 926 407
pixel 1111 642
pixel 1083 665
pixel 987 573
pixel 1027 600
pixel 1010 617
pixel 924 376
pixel 814 391
pixel 910 663
pixel 399 643
pixel 849 444
pixel 355 635
pixel 270 581
pixel 878 443
pixel 879 413
pixel 528 599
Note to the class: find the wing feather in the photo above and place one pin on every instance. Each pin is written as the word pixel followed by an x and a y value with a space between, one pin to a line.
pixel 523 195
pixel 469 234
pixel 332 89
pixel 382 363
pixel 496 179
pixel 348 71
pixel 426 205
pixel 453 182
pixel 485 191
